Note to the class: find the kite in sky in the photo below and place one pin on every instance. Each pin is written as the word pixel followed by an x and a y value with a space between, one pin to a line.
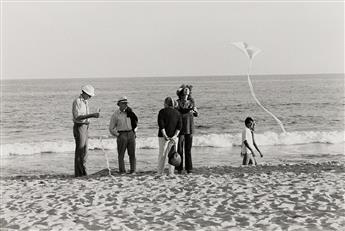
pixel 251 52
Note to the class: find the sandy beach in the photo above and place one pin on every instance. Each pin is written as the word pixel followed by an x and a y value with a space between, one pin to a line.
pixel 282 197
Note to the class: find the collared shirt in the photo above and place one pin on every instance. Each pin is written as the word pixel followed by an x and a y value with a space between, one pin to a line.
pixel 247 135
pixel 119 122
pixel 80 106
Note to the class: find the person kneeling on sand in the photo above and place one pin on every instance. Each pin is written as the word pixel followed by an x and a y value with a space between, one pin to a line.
pixel 248 143
pixel 170 124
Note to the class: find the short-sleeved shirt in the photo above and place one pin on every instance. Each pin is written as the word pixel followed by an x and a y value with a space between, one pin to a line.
pixel 80 107
pixel 120 122
pixel 169 119
pixel 248 136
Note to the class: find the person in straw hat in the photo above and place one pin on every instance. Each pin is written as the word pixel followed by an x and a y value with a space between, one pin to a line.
pixel 123 125
pixel 81 116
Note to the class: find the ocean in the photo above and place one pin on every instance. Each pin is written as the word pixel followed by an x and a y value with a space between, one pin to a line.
pixel 36 120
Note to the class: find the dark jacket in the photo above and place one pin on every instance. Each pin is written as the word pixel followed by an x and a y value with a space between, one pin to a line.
pixel 185 107
pixel 169 119
pixel 133 117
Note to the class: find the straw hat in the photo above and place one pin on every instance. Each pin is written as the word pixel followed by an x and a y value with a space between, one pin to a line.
pixel 123 99
pixel 88 89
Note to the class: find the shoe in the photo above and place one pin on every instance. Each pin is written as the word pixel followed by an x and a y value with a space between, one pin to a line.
pixel 189 171
pixel 179 172
pixel 172 176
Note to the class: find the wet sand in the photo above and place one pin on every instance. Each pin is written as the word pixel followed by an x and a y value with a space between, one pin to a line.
pixel 281 197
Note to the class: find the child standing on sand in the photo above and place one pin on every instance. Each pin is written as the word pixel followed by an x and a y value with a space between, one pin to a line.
pixel 248 143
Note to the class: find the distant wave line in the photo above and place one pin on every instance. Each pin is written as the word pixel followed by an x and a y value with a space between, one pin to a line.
pixel 209 140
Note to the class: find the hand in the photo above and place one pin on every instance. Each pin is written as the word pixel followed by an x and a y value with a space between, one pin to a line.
pixel 166 137
pixel 96 115
pixel 261 155
pixel 195 112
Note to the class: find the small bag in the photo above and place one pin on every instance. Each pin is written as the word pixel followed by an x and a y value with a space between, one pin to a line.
pixel 174 157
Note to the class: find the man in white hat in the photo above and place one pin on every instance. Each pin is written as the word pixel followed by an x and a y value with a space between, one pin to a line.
pixel 81 115
pixel 123 124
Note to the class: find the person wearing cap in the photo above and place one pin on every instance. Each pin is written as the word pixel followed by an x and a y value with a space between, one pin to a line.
pixel 81 116
pixel 248 143
pixel 169 126
pixel 186 106
pixel 123 125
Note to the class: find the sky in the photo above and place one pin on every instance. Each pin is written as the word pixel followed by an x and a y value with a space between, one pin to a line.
pixel 91 39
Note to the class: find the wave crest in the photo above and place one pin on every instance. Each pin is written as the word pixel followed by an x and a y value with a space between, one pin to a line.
pixel 211 140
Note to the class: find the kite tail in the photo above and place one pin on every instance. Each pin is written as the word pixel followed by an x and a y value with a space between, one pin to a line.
pixel 257 101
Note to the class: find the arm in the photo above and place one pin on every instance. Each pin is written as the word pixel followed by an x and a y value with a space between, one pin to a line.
pixel 75 110
pixel 112 126
pixel 195 112
pixel 194 109
pixel 176 134
pixel 249 147
pixel 254 143
pixel 161 124
pixel 178 126
pixel 184 110
pixel 92 115
pixel 164 134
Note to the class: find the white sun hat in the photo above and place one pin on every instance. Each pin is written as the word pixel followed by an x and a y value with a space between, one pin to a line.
pixel 123 99
pixel 88 89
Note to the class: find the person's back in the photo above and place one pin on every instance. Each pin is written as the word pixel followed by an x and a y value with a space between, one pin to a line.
pixel 169 126
pixel 170 119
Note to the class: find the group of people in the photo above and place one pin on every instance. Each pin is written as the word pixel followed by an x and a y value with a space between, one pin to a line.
pixel 175 123
pixel 175 132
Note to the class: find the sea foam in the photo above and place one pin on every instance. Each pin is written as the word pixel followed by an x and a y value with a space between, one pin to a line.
pixel 211 140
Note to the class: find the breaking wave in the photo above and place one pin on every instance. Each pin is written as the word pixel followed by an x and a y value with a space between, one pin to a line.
pixel 211 140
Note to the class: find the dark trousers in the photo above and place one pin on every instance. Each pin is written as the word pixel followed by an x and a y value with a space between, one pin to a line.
pixel 185 146
pixel 126 141
pixel 80 133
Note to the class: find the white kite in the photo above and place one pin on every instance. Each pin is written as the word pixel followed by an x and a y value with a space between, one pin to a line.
pixel 251 52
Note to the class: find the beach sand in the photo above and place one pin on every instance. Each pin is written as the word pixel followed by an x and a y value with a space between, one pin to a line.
pixel 282 197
